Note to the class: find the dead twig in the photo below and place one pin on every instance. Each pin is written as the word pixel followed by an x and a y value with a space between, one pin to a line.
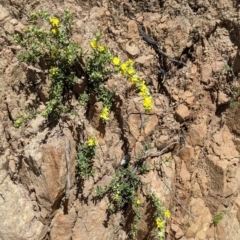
pixel 151 41
pixel 181 142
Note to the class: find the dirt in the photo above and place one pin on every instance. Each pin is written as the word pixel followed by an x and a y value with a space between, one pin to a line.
pixel 196 105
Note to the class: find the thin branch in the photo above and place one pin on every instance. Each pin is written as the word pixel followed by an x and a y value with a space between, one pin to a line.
pixel 151 41
pixel 157 154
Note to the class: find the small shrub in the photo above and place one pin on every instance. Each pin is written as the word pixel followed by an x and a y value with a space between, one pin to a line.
pixel 52 45
pixel 85 155
pixel 234 96
pixel 124 189
pixel 83 99
pixel 100 65
pixel 161 216
pixel 127 70
pixel 99 68
pixel 217 218
pixel 25 117
pixel 227 68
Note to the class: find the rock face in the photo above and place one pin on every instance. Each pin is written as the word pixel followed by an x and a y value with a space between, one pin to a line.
pixel 191 135
pixel 17 209
pixel 201 221
pixel 62 224
pixel 45 166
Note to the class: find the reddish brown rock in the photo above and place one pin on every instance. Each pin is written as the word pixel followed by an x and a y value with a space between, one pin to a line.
pixel 46 166
pixel 3 13
pixel 218 66
pixel 197 133
pixel 17 213
pixel 184 174
pixel 206 72
pixel 92 227
pixel 134 121
pixel 193 69
pixel 224 146
pixel 179 28
pixel 132 49
pixel 188 97
pixel 151 123
pixel 19 27
pixel 62 224
pixel 200 223
pixel 237 203
pixel 132 30
pixel 222 98
pixel 227 227
pixel 177 231
pixel 145 60
pixel 189 157
pixel 182 112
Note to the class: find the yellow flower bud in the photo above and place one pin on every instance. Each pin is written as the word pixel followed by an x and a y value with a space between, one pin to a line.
pixel 116 61
pixel 54 31
pixel 94 43
pixel 101 48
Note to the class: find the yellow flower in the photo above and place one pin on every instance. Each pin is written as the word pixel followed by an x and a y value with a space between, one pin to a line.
pixel 134 78
pixel 18 123
pixel 130 71
pixel 160 223
pixel 53 70
pixel 123 68
pixel 54 21
pixel 94 43
pixel 167 214
pixel 92 142
pixel 138 202
pixel 105 114
pixel 130 62
pixel 143 89
pixel 54 31
pixel 116 61
pixel 147 103
pixel 126 68
pixel 101 48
